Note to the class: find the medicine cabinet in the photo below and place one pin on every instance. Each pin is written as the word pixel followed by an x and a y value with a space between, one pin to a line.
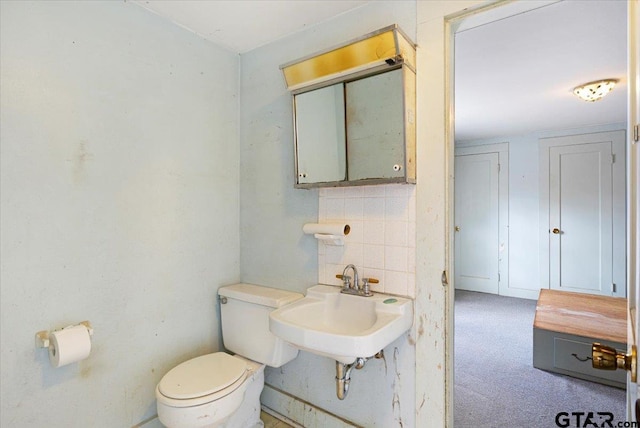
pixel 354 123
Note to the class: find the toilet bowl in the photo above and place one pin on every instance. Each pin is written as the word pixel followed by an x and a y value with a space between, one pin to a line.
pixel 209 391
pixel 220 389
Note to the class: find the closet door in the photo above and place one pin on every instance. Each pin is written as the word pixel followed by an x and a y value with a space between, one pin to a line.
pixel 580 215
pixel 585 226
pixel 476 222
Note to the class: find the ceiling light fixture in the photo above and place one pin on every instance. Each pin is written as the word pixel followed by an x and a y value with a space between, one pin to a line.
pixel 593 91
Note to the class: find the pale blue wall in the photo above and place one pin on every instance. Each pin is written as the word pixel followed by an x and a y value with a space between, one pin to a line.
pixel 119 204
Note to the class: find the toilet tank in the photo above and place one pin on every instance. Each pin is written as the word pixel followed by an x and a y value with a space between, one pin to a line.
pixel 244 310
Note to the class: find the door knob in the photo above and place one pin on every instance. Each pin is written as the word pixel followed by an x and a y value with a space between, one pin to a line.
pixel 457 228
pixel 556 231
pixel 608 358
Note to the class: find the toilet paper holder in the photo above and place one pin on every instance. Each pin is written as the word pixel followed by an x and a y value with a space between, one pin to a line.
pixel 42 337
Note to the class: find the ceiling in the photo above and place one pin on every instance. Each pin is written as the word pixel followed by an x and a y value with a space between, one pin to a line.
pixel 513 75
pixel 241 26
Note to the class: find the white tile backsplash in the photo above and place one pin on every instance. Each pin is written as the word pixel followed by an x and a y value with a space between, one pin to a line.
pixel 354 192
pixel 397 191
pixel 330 274
pixel 373 232
pixel 396 283
pixel 395 258
pixel 334 192
pixel 373 208
pixel 411 233
pixel 353 208
pixel 395 233
pixel 375 191
pixel 382 239
pixel 373 256
pixel 334 209
pixel 354 254
pixel 411 260
pixel 334 254
pixel 412 207
pixel 396 209
pixel 411 285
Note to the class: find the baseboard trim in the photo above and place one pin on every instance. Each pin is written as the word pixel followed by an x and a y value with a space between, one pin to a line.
pixel 147 421
pixel 280 417
pixel 300 412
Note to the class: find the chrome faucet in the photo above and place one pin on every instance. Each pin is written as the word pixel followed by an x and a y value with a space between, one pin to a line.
pixel 346 280
pixel 355 287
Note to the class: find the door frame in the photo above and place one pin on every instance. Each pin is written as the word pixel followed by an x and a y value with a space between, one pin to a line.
pixel 618 215
pixel 503 207
pixel 633 190
pixel 485 13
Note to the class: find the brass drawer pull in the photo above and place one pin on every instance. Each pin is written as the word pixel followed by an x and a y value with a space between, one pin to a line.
pixel 581 359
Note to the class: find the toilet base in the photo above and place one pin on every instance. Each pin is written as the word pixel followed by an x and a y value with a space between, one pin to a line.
pixel 246 415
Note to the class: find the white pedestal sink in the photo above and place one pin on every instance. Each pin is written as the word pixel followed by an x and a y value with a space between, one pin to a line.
pixel 342 326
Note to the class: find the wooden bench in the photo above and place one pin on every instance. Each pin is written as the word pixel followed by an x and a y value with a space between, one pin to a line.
pixel 567 323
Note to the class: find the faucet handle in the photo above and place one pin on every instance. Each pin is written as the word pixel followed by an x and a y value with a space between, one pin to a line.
pixel 346 280
pixel 365 286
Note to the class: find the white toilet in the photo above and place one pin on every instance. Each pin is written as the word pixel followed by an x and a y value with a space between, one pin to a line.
pixel 223 390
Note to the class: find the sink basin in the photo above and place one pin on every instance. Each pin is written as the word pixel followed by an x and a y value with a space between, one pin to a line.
pixel 342 326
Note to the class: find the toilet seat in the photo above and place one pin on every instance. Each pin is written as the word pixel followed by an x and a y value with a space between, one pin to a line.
pixel 201 380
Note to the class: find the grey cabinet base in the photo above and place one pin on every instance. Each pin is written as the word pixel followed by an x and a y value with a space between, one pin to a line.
pixel 570 355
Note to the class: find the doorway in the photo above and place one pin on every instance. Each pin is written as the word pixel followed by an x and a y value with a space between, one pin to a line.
pixel 538 131
pixel 486 113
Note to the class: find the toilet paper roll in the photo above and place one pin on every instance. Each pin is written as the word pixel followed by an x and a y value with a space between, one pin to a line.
pixel 338 229
pixel 69 345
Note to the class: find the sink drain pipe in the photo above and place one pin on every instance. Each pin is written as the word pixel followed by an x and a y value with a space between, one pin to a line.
pixel 343 374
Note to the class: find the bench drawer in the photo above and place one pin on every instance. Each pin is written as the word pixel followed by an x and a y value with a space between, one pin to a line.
pixel 570 355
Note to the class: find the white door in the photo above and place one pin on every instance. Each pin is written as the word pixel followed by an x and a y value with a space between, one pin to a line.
pixel 476 222
pixel 633 208
pixel 580 218
pixel 583 213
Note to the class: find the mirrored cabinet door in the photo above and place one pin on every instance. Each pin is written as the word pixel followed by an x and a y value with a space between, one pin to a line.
pixel 320 135
pixel 354 112
pixel 375 127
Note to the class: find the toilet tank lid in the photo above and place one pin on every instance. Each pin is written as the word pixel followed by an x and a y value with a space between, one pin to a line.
pixel 265 296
